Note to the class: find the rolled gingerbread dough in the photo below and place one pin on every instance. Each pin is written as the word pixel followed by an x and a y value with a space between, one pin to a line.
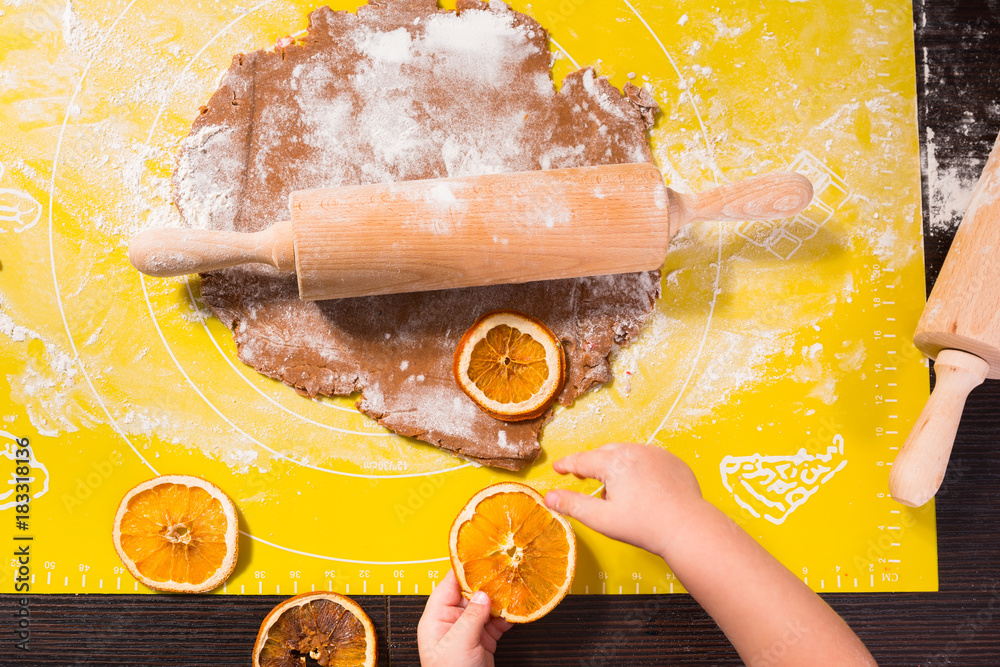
pixel 399 91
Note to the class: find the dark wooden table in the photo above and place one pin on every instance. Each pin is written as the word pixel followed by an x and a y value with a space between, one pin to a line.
pixel 958 66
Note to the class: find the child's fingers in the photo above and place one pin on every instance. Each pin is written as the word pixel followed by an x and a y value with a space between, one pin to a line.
pixel 440 612
pixel 583 508
pixel 447 593
pixel 592 464
pixel 497 626
pixel 468 629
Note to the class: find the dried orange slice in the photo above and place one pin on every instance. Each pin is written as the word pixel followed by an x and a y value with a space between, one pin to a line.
pixel 329 628
pixel 177 533
pixel 507 543
pixel 510 364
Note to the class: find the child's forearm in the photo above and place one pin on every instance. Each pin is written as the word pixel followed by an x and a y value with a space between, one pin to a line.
pixel 770 616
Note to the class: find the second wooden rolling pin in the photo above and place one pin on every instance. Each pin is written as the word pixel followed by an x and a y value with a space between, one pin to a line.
pixel 960 328
pixel 483 230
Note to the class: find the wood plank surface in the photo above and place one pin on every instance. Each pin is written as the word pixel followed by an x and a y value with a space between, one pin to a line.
pixel 958 67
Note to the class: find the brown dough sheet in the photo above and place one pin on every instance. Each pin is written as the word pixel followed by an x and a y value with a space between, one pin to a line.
pixel 388 94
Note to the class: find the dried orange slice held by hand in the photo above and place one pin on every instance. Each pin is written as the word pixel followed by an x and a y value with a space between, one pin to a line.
pixel 510 364
pixel 330 629
pixel 507 543
pixel 177 533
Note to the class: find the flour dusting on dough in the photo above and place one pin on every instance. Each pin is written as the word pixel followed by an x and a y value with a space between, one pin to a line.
pixel 397 93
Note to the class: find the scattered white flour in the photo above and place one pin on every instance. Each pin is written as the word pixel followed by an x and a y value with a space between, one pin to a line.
pixel 386 47
pixel 949 189
pixel 14 331
pixel 589 84
pixel 722 31
pixel 259 498
pixel 442 194
pixel 94 337
pixel 887 244
pixel 739 358
pixel 460 411
pixel 502 441
pixel 561 155
pixel 483 48
pixel 200 197
pixel 196 314
pixel 813 372
pixel 48 385
pixel 853 356
pixel 74 31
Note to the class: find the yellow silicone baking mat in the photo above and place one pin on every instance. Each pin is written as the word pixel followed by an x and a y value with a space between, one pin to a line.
pixel 778 362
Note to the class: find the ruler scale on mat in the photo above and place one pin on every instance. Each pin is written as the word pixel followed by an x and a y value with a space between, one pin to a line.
pixel 777 362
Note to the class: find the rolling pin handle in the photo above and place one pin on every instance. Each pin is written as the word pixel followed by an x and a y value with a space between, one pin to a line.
pixel 920 466
pixel 780 194
pixel 178 252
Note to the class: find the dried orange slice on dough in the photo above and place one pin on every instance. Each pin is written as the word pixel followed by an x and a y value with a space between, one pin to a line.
pixel 507 543
pixel 329 628
pixel 177 533
pixel 510 364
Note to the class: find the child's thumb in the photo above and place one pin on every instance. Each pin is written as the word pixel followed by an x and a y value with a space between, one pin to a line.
pixel 469 627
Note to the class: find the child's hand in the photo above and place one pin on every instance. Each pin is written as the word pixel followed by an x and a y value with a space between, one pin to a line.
pixel 652 500
pixel 648 494
pixel 454 632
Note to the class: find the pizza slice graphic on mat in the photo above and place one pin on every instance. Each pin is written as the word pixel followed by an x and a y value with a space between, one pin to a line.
pixel 19 469
pixel 18 210
pixel 775 486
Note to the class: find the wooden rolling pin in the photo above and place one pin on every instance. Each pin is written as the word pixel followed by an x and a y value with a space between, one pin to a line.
pixel 960 327
pixel 460 232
